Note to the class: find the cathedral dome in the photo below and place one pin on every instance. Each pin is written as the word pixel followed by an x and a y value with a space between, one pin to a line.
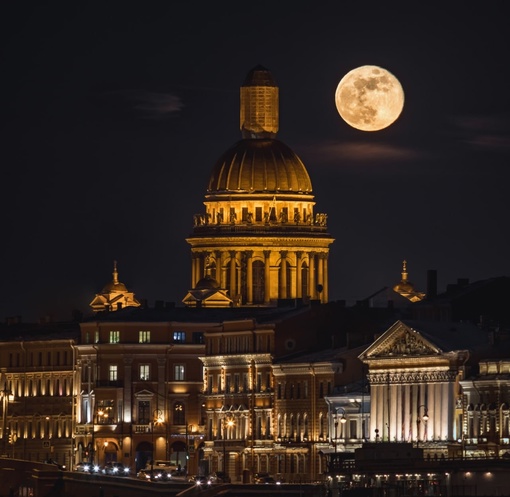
pixel 259 166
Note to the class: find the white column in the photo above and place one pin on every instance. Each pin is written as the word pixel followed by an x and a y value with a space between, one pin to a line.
pixel 438 411
pixel 393 421
pixel 407 413
pixel 373 411
pixel 431 404
pixel 398 417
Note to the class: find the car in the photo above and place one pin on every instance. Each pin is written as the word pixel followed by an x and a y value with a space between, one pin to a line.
pixel 199 480
pixel 62 467
pixel 264 478
pixel 153 475
pixel 219 477
pixel 82 467
pixel 116 469
pixel 143 474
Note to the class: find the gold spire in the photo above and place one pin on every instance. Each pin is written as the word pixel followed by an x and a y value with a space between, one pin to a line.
pixel 406 288
pixel 404 271
pixel 115 274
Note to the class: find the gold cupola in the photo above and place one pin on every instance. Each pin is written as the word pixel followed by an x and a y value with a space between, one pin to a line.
pixel 406 288
pixel 114 295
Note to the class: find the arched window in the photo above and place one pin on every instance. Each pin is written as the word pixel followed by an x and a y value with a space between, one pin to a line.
pixel 179 414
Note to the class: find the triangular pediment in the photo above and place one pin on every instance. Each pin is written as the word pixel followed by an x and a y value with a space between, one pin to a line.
pixel 207 298
pixel 400 340
pixel 144 394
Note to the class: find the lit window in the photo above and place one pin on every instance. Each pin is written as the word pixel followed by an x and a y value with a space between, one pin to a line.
pixel 112 372
pixel 144 337
pixel 179 337
pixel 114 336
pixel 145 372
pixel 179 372
pixel 105 414
pixel 179 414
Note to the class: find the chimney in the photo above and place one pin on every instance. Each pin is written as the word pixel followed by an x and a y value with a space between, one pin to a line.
pixel 431 284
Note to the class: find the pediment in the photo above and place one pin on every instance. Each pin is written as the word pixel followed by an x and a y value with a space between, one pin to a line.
pixel 208 298
pixel 400 340
pixel 144 394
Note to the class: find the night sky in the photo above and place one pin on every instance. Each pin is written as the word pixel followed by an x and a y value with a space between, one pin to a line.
pixel 114 114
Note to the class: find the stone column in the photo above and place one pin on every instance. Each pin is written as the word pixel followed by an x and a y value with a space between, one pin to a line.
pixel 194 271
pixel 282 290
pixel 311 276
pixel 249 276
pixel 320 275
pixel 438 410
pixel 232 283
pixel 128 382
pixel 267 276
pixel 431 404
pixel 325 291
pixel 393 421
pixel 407 417
pixel 398 413
pixel 299 282
pixel 221 270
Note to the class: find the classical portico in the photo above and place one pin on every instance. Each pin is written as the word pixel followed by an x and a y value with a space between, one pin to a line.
pixel 413 387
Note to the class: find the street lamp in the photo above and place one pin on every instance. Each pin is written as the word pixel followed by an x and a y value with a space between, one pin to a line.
pixel 157 417
pixel 7 396
pixel 227 423
pixel 342 420
pixel 425 418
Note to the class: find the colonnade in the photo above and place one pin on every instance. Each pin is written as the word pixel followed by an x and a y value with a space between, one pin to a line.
pixel 283 273
pixel 415 411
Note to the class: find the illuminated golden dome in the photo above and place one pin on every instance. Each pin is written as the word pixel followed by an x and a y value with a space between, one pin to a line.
pixel 406 288
pixel 260 165
pixel 114 295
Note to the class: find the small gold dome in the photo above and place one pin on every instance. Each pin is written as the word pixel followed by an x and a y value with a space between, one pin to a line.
pixel 404 287
pixel 260 166
pixel 207 283
pixel 114 287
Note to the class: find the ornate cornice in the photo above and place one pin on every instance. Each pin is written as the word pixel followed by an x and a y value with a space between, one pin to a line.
pixel 411 377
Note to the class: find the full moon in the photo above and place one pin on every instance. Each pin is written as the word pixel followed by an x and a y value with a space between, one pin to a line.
pixel 369 98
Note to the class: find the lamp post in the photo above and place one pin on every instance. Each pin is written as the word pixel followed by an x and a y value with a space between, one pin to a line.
pixel 227 423
pixel 342 421
pixel 157 417
pixel 7 397
pixel 425 418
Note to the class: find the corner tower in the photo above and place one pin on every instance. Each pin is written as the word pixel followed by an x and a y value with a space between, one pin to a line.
pixel 259 237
